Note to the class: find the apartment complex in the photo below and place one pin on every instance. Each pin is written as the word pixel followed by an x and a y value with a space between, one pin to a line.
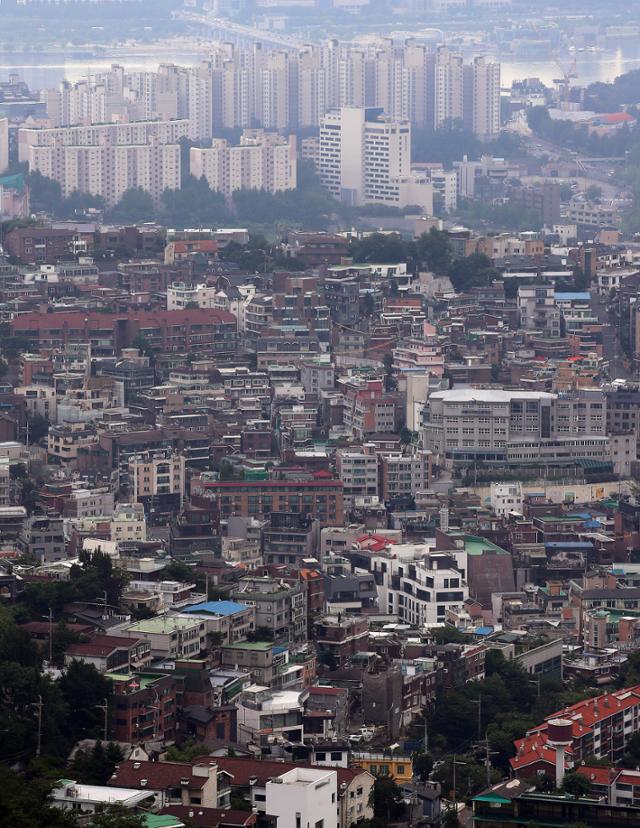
pixel 262 161
pixel 365 158
pixel 106 160
pixel 277 88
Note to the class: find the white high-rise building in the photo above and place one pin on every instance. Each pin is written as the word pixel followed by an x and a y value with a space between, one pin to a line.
pixel 107 159
pixel 482 98
pixel 289 88
pixel 448 88
pixel 263 161
pixel 4 144
pixel 365 158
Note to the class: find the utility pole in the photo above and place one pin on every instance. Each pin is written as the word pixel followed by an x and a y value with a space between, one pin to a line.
pixel 39 743
pixel 455 794
pixel 426 732
pixel 105 708
pixel 487 760
pixel 50 636
pixel 478 701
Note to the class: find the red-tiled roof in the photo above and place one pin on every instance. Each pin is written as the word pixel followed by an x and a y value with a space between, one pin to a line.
pixel 243 769
pixel 616 118
pixel 41 627
pixel 533 749
pixel 327 691
pixel 93 319
pixel 597 775
pixel 590 711
pixel 159 775
pixel 583 716
pixel 209 817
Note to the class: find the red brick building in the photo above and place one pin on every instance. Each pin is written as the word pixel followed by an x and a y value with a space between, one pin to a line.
pixel 144 707
pixel 38 244
pixel 192 330
pixel 320 499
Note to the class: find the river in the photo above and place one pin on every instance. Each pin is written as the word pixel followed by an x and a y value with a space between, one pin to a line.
pixel 45 70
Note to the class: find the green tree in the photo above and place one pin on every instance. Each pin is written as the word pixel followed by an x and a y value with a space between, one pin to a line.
pixel 194 204
pixel 188 752
pixel 83 690
pixel 576 785
pixel 593 192
pixel 45 194
pixel 451 818
pixel 422 765
pixel 78 202
pixel 38 427
pixel 96 765
pixel 379 248
pixel 63 638
pixel 434 252
pixel 25 802
pixel 135 205
pixel 118 817
pixel 475 270
pixel 388 803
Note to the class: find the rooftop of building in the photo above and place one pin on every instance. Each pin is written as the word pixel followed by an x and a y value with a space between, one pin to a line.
pixel 220 608
pixel 489 395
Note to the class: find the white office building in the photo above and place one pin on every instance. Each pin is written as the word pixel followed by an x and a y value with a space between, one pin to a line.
pixel 365 158
pixel 464 426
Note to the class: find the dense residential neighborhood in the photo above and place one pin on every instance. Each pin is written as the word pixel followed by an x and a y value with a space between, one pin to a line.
pixel 319 415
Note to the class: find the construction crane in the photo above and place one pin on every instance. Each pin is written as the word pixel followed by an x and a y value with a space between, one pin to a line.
pixel 564 83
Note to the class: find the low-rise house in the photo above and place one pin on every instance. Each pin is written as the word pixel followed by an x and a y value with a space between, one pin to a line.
pixel 170 636
pixel 177 783
pixel 108 652
pixel 251 779
pixel 229 620
pixel 69 795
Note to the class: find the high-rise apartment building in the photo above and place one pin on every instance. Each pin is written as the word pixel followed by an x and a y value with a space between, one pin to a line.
pixel 262 161
pixel 4 144
pixel 365 158
pixel 107 159
pixel 447 100
pixel 291 88
pixel 482 98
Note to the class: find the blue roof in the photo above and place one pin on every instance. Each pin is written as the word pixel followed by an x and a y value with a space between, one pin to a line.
pixel 483 630
pixel 571 296
pixel 279 649
pixel 217 607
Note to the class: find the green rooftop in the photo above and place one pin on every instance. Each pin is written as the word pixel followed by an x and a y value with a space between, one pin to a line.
pixel 158 821
pixel 474 545
pixel 143 679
